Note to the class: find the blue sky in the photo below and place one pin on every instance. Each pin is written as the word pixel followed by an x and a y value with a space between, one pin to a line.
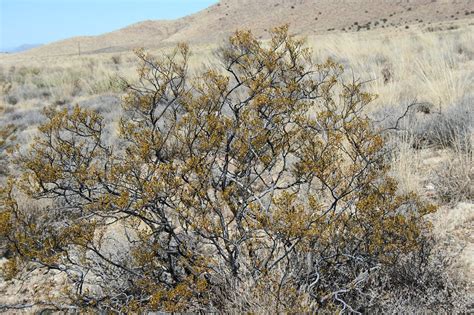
pixel 44 21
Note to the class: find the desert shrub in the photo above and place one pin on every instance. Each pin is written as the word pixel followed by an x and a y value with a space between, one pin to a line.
pixel 5 87
pixel 107 84
pixel 24 118
pixel 28 91
pixel 451 128
pixel 430 126
pixel 103 104
pixel 12 100
pixel 116 59
pixel 420 283
pixel 7 136
pixel 263 177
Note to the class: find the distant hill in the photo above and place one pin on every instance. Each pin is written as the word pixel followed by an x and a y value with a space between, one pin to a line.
pixel 21 48
pixel 306 17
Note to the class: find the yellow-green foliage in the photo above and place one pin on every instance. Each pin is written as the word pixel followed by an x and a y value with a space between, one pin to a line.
pixel 265 172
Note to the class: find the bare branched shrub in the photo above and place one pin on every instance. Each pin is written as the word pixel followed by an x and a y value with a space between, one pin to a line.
pixel 430 126
pixel 420 283
pixel 7 136
pixel 263 177
pixel 451 130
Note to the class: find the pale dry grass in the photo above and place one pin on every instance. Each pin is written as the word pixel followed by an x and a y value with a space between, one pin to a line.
pixel 407 166
pixel 435 67
pixel 454 179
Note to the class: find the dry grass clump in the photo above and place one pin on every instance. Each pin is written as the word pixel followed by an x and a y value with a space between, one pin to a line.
pixel 406 163
pixel 449 128
pixel 423 128
pixel 419 283
pixel 455 178
pixel 60 83
pixel 453 131
pixel 422 283
pixel 430 67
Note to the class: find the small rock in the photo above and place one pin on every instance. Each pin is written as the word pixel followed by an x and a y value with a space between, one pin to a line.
pixel 430 186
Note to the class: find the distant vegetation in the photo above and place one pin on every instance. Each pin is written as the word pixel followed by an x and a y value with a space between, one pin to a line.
pixel 21 48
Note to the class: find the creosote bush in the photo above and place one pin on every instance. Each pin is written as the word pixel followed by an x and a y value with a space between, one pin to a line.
pixel 262 177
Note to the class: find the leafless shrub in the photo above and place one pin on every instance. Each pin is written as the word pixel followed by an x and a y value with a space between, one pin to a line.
pixel 25 118
pixel 430 126
pixel 103 104
pixel 451 128
pixel 421 283
pixel 116 59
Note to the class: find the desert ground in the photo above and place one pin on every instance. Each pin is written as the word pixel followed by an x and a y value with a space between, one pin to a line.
pixel 406 51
